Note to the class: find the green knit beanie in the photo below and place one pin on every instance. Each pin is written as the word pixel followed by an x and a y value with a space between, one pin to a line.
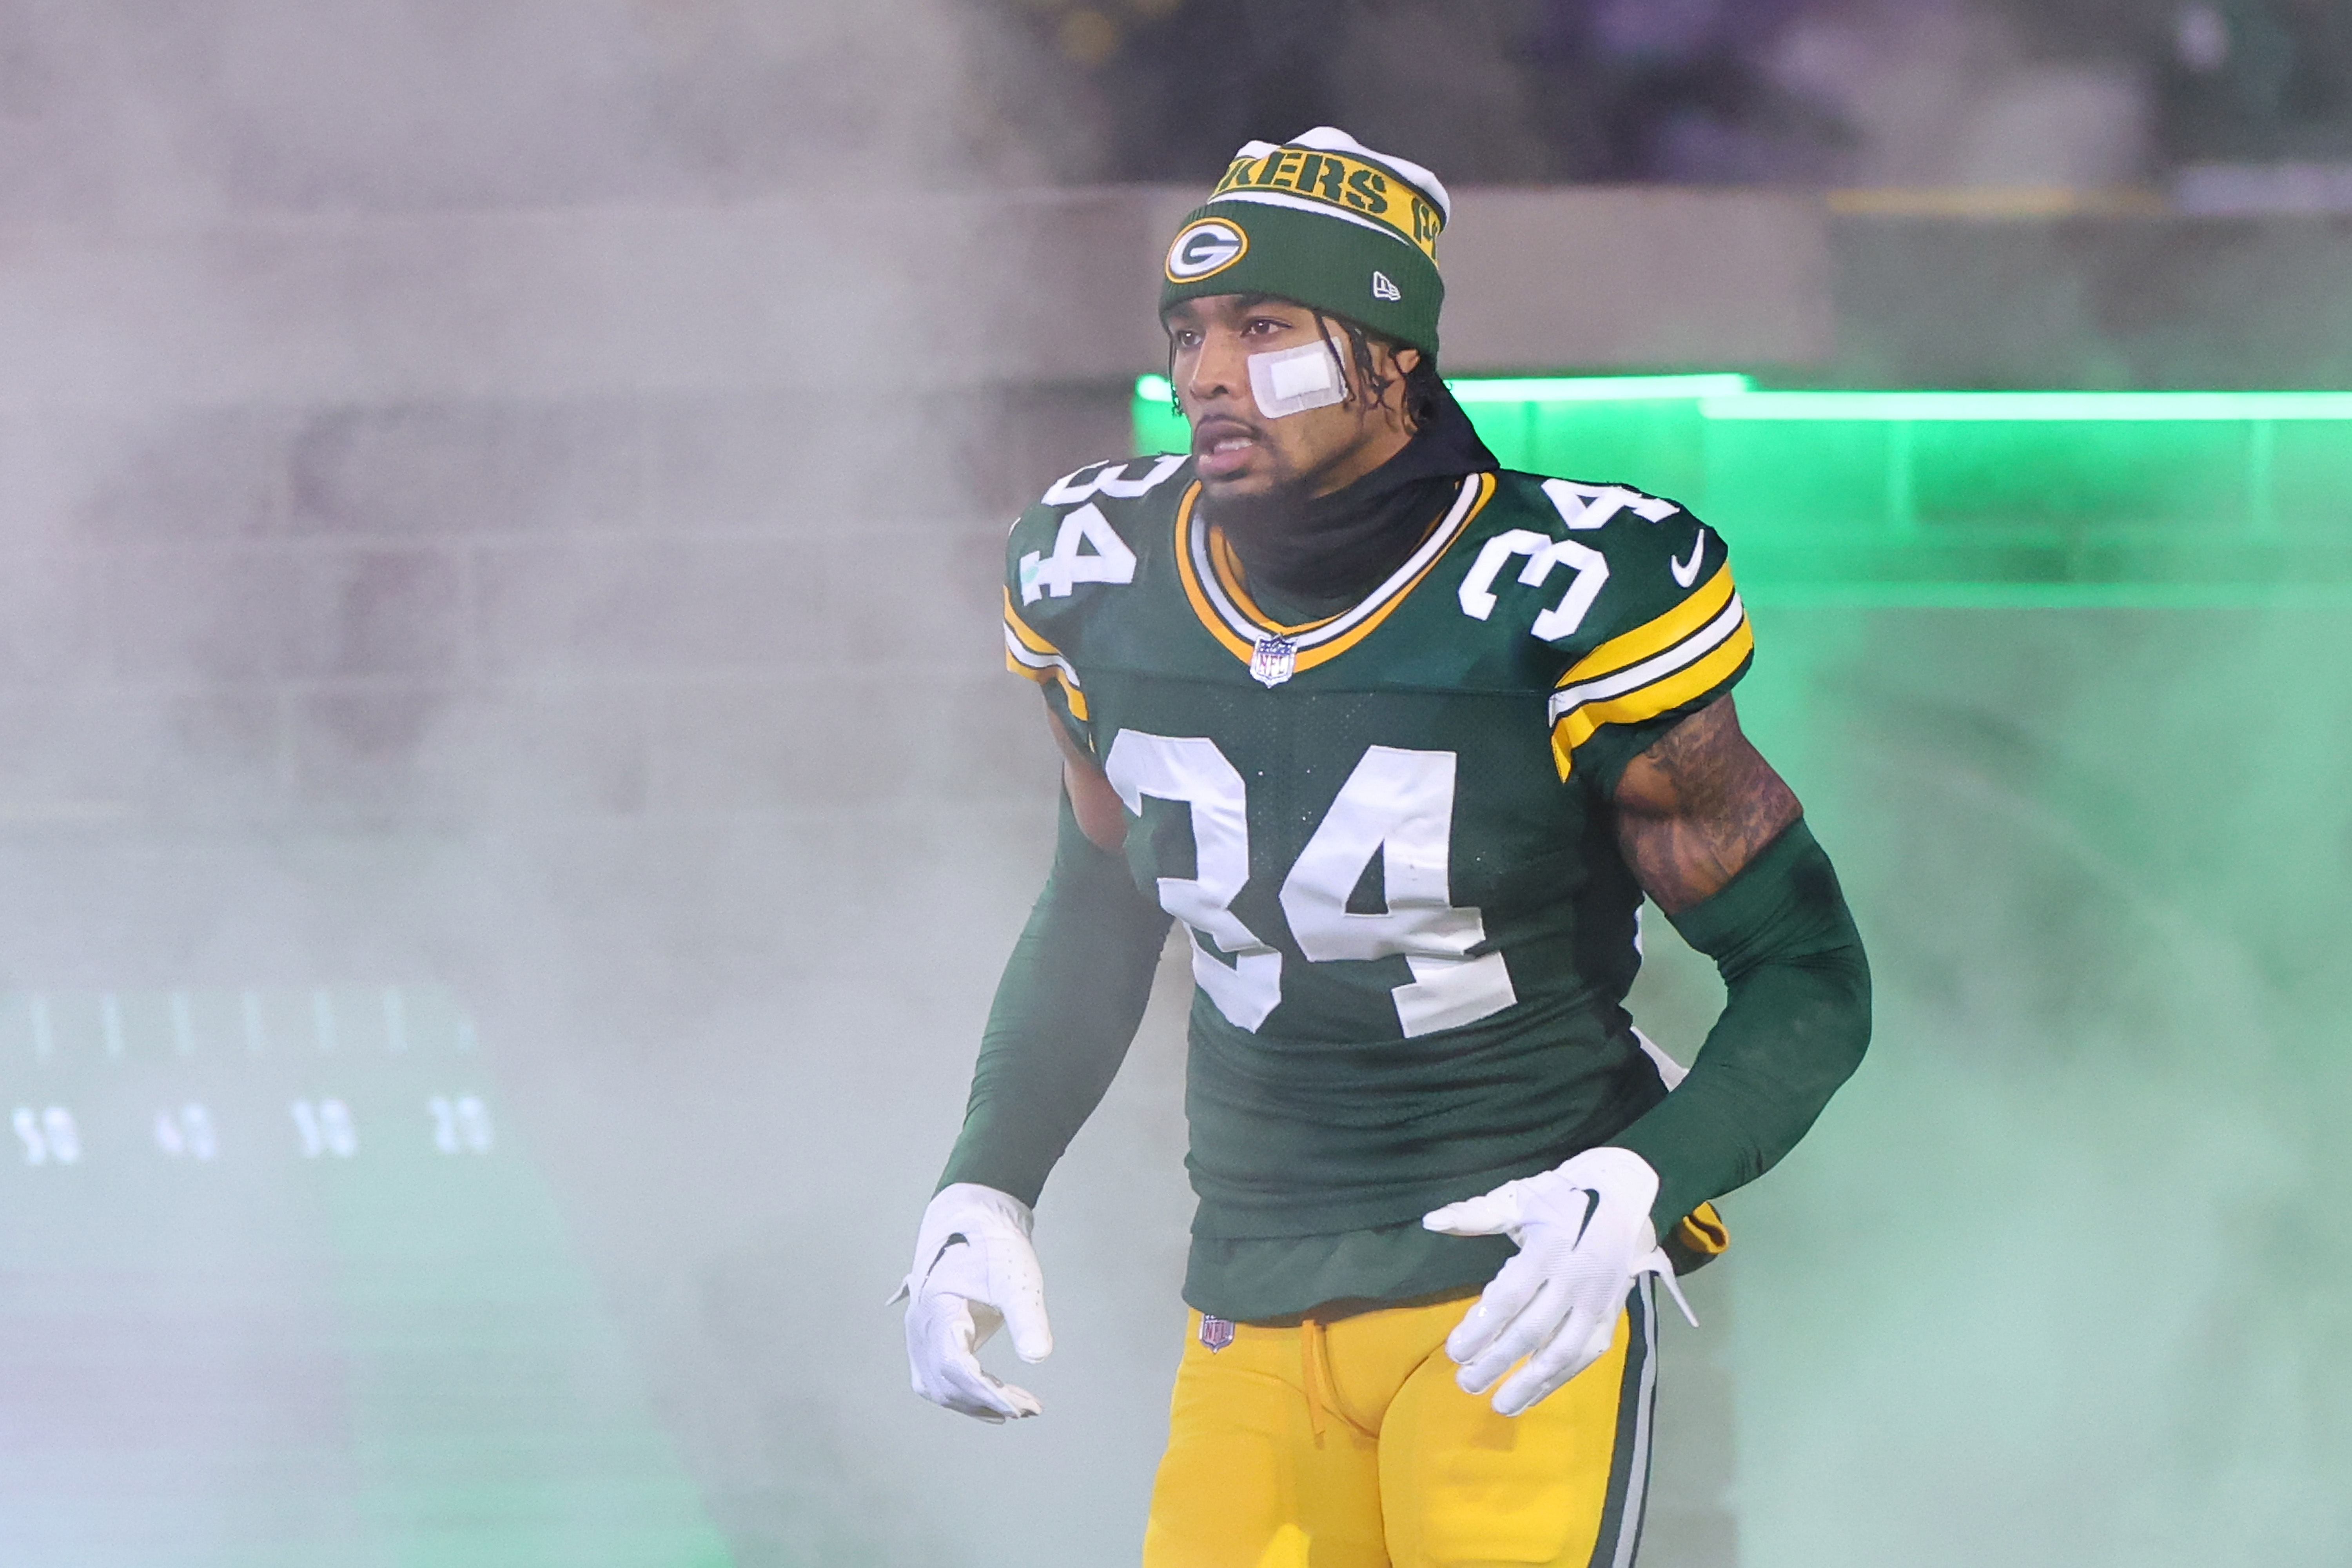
pixel 1324 221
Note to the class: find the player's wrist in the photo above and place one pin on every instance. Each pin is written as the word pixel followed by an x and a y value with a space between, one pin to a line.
pixel 968 1212
pixel 1624 1182
pixel 1621 1176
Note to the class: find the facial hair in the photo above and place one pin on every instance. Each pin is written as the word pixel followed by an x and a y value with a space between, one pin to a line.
pixel 1333 548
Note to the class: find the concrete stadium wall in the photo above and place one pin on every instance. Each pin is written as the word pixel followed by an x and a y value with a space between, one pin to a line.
pixel 307 506
pixel 302 512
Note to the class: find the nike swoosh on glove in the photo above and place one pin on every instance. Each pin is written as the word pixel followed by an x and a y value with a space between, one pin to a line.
pixel 974 1273
pixel 1584 1235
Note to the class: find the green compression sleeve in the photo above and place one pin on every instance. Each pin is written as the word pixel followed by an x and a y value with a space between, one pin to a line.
pixel 1795 1022
pixel 1068 1007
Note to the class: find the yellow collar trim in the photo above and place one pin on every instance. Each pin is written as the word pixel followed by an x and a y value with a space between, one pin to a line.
pixel 1231 578
pixel 1238 625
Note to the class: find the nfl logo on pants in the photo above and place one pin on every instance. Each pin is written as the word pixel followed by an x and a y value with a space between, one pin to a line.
pixel 1216 1333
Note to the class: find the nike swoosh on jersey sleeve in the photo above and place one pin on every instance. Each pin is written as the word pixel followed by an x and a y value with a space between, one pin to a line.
pixel 1686 571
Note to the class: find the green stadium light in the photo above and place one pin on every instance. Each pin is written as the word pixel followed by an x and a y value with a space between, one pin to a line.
pixel 1954 500
pixel 1944 407
pixel 1155 388
pixel 1596 388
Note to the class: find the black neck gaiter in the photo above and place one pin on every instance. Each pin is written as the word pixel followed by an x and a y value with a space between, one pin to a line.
pixel 1318 551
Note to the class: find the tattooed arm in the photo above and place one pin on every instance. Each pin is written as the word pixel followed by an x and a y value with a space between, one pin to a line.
pixel 1693 809
pixel 1721 844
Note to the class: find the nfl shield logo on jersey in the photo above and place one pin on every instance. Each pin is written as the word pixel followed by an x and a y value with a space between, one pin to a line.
pixel 1273 660
pixel 1216 1333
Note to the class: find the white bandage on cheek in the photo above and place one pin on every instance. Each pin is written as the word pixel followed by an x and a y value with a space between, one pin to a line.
pixel 1292 381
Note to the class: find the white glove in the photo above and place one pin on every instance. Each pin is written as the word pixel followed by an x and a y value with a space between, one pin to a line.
pixel 974 1272
pixel 1584 1235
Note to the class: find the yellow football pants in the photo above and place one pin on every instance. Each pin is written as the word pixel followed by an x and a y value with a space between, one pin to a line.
pixel 1348 1445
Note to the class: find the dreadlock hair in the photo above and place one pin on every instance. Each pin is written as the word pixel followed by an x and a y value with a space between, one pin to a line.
pixel 1422 389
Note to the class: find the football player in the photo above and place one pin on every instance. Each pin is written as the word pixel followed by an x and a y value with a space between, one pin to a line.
pixel 1403 739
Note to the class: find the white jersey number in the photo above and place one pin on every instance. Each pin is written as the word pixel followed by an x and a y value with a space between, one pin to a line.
pixel 1241 974
pixel 1397 804
pixel 1086 550
pixel 1587 572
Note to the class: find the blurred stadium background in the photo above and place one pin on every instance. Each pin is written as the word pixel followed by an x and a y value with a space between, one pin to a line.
pixel 509 814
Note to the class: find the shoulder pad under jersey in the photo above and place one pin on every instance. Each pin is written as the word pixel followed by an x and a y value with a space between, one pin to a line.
pixel 1630 594
pixel 1083 529
pixel 1080 541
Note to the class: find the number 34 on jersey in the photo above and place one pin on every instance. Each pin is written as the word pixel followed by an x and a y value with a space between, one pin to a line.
pixel 1354 812
pixel 1396 805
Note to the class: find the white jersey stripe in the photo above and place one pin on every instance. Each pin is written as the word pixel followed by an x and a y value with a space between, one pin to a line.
pixel 1030 659
pixel 1691 649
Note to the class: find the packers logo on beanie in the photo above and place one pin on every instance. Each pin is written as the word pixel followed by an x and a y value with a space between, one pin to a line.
pixel 1326 221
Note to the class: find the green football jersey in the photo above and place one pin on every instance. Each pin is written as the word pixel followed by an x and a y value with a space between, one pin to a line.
pixel 1387 834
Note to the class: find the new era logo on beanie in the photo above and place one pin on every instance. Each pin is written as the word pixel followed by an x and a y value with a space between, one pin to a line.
pixel 1311 220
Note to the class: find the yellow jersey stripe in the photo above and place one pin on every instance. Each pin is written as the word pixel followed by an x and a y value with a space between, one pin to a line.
pixel 1643 702
pixel 1042 667
pixel 1656 635
pixel 1020 628
pixel 1657 667
pixel 1193 593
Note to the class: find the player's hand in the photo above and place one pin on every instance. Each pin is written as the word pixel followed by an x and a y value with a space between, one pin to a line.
pixel 974 1272
pixel 1584 1235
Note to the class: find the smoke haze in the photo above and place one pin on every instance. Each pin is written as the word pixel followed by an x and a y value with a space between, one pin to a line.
pixel 503 502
